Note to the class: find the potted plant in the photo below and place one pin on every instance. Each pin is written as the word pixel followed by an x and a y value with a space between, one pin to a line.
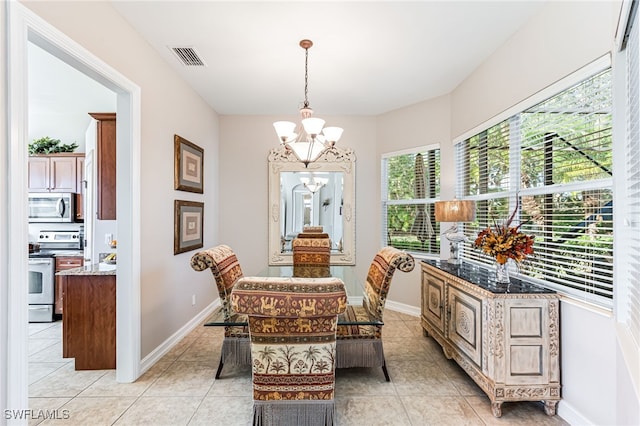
pixel 47 145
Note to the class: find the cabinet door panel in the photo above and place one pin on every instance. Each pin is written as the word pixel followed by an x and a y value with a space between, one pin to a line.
pixel 527 342
pixel 465 323
pixel 64 263
pixel 433 301
pixel 106 165
pixel 38 174
pixel 63 174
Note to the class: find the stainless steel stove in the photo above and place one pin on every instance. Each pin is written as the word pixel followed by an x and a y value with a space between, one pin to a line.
pixel 42 270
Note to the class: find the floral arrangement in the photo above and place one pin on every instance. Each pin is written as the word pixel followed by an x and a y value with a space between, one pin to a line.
pixel 504 242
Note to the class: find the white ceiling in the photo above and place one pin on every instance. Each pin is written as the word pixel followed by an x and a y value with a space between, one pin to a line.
pixel 369 57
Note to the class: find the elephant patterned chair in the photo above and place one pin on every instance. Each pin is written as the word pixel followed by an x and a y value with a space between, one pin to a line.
pixel 292 328
pixel 226 270
pixel 361 345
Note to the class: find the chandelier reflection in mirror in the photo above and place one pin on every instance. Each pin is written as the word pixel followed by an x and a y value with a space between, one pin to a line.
pixel 311 139
pixel 313 183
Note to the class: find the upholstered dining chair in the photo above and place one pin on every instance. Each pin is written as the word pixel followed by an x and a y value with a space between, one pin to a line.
pixel 292 328
pixel 361 345
pixel 226 270
pixel 311 255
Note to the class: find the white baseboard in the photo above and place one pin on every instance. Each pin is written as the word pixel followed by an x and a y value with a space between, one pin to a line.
pixel 570 415
pixel 402 308
pixel 160 351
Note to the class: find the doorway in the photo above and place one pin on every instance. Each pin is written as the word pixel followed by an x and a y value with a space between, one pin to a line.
pixel 25 27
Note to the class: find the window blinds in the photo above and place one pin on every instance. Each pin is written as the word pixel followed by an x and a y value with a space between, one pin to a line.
pixel 556 158
pixel 631 251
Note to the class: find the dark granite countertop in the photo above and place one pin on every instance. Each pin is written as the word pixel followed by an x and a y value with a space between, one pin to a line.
pixel 484 277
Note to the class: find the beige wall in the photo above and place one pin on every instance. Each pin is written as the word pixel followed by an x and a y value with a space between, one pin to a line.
pixel 563 37
pixel 169 107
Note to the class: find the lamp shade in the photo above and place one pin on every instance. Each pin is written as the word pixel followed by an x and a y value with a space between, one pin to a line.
pixel 332 134
pixel 313 126
pixel 285 130
pixel 455 211
pixel 307 152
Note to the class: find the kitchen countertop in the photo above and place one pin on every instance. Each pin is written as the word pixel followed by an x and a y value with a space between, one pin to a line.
pixel 92 269
pixel 56 253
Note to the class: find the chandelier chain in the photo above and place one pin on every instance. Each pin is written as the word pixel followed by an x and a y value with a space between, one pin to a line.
pixel 306 77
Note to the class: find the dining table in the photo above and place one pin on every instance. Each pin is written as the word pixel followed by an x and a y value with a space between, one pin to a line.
pixel 347 273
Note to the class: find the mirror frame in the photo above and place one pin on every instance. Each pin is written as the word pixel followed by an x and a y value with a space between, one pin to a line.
pixel 335 159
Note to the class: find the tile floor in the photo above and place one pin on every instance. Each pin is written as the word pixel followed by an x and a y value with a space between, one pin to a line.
pixel 426 388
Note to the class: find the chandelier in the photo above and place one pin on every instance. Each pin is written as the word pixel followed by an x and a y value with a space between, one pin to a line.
pixel 311 140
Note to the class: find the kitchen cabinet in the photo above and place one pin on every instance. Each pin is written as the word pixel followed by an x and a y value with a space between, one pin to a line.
pixel 53 173
pixel 105 165
pixel 506 337
pixel 89 326
pixel 63 263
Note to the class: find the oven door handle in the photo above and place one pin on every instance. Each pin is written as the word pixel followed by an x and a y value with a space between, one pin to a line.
pixel 39 262
pixel 38 308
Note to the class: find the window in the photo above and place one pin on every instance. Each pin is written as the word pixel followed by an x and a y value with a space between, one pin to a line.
pixel 410 187
pixel 556 158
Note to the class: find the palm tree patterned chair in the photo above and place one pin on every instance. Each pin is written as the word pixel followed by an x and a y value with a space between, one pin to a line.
pixel 311 255
pixel 361 345
pixel 292 328
pixel 226 270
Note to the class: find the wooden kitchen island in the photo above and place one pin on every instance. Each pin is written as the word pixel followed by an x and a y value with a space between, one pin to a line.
pixel 89 324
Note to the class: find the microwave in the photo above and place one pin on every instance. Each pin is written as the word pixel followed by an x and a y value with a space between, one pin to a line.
pixel 51 207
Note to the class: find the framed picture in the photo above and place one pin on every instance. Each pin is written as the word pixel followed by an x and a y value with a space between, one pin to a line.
pixel 188 159
pixel 187 226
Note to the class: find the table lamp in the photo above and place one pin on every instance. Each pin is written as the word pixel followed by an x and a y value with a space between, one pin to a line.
pixel 455 211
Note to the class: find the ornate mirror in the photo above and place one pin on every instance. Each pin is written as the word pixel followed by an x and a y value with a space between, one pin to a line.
pixel 322 194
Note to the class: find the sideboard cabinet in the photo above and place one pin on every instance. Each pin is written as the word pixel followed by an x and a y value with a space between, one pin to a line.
pixel 505 336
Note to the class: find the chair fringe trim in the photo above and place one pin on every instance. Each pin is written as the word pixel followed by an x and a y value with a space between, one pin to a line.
pixel 359 353
pixel 236 351
pixel 299 413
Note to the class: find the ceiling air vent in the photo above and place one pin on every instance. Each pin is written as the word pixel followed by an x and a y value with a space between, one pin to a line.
pixel 188 56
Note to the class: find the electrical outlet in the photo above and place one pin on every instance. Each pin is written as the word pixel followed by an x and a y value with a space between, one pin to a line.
pixel 108 238
pixel 193 300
